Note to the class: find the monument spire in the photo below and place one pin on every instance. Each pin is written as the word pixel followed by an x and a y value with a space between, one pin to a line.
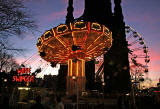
pixel 69 17
pixel 109 14
pixel 97 11
pixel 116 77
pixel 118 10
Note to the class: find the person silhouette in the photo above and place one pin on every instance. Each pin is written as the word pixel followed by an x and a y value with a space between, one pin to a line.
pixel 5 102
pixel 60 105
pixel 38 104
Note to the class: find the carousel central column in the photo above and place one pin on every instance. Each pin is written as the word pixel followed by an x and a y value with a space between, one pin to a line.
pixel 76 76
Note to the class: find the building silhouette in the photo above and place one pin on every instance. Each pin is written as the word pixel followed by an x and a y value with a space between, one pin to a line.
pixel 116 61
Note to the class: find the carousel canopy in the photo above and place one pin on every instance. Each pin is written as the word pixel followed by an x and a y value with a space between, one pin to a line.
pixel 78 40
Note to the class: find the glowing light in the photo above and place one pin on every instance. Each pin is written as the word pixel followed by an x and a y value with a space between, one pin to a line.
pixel 83 65
pixel 71 68
pixel 5 80
pixel 77 68
pixel 62 28
pixel 47 35
pixel 70 26
pixel 79 25
pixel 23 88
pixel 96 26
pixel 68 67
pixel 156 91
pixel 53 32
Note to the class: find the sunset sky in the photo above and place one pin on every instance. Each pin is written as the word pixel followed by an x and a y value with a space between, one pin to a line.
pixel 143 15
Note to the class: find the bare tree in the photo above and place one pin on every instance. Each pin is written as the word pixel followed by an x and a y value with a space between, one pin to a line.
pixel 7 61
pixel 14 19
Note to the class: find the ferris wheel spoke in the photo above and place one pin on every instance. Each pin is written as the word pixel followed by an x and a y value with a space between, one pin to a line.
pixel 138 56
pixel 134 42
pixel 129 37
pixel 136 49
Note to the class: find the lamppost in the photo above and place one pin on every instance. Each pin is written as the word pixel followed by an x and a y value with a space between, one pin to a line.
pixel 76 87
pixel 103 84
pixel 133 92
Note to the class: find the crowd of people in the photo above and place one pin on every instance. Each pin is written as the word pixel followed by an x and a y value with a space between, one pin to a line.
pixel 52 102
pixel 49 99
pixel 138 102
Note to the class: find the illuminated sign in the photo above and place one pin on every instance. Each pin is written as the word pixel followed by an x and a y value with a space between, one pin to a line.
pixel 24 74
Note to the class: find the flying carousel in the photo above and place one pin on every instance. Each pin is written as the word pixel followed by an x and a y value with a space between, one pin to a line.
pixel 74 44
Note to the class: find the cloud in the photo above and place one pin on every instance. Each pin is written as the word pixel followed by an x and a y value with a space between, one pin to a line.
pixel 78 13
pixel 155 55
pixel 147 18
pixel 154 65
pixel 56 15
pixel 74 1
pixel 60 15
pixel 64 1
pixel 154 75
pixel 20 60
pixel 33 0
pixel 48 19
pixel 29 60
pixel 29 37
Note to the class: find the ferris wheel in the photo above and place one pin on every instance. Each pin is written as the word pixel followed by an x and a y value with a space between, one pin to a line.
pixel 138 55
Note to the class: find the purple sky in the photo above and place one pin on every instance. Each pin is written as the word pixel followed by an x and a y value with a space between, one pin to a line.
pixel 142 15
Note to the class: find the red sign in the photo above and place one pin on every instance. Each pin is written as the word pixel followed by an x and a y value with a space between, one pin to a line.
pixel 24 74
pixel 24 71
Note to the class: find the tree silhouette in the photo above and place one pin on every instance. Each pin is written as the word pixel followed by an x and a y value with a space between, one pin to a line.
pixel 14 19
pixel 7 61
